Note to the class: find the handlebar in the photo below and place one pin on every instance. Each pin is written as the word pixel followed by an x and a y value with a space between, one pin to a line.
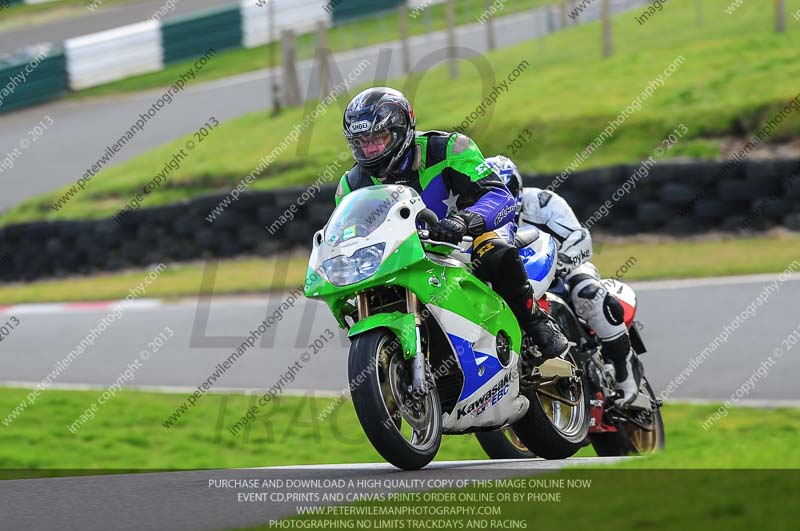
pixel 429 217
pixel 424 235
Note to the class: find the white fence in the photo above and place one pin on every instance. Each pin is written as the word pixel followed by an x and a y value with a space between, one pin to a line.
pixel 298 15
pixel 114 54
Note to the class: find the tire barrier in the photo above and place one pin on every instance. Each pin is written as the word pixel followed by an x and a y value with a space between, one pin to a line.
pixel 758 195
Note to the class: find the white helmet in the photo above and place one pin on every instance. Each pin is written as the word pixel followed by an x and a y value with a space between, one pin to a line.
pixel 508 171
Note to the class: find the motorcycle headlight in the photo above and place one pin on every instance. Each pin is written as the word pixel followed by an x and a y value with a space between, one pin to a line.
pixel 343 270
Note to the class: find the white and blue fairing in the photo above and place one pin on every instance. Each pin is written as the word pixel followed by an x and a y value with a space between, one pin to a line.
pixel 490 394
pixel 539 259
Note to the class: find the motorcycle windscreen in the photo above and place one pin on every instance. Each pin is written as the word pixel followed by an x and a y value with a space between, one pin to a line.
pixel 362 211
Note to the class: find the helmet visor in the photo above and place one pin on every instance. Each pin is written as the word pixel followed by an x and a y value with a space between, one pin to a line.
pixel 372 147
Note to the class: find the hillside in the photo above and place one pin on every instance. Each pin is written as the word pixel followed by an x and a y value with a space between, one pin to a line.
pixel 730 77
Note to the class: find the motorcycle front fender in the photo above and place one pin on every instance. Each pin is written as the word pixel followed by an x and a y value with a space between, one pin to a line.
pixel 401 324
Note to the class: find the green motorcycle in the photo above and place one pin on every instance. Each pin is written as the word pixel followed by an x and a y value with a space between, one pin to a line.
pixel 433 349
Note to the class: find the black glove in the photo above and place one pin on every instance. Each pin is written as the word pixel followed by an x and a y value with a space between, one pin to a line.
pixel 454 228
pixel 451 230
pixel 564 265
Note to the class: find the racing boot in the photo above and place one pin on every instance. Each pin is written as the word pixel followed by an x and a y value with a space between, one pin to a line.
pixel 543 330
pixel 618 352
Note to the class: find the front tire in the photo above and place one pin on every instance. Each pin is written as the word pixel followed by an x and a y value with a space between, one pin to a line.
pixel 406 430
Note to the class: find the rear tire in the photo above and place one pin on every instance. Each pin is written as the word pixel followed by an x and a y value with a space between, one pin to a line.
pixel 630 439
pixel 538 433
pixel 536 429
pixel 503 444
pixel 377 373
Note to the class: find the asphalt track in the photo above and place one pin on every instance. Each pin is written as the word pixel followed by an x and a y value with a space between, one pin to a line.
pixel 193 501
pixel 81 21
pixel 82 130
pixel 680 319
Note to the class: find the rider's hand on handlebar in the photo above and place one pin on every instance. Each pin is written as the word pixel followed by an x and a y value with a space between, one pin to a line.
pixel 450 230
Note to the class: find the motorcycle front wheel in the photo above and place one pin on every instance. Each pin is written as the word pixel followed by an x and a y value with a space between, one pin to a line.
pixel 404 428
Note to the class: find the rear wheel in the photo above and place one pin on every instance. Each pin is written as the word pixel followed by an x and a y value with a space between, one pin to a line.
pixel 557 420
pixel 503 444
pixel 643 434
pixel 404 428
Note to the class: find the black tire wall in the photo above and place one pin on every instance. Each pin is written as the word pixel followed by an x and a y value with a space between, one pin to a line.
pixel 674 198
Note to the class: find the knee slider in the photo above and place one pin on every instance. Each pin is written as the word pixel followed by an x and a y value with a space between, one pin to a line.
pixel 613 310
pixel 587 296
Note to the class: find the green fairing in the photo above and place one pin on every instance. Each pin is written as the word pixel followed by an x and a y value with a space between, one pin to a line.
pixel 458 291
pixel 436 248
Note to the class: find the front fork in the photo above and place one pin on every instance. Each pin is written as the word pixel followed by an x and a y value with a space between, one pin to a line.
pixel 418 379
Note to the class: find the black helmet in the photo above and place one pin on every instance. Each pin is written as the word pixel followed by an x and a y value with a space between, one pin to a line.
pixel 379 126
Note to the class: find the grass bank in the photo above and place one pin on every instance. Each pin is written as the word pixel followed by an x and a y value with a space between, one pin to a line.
pixel 736 74
pixel 128 433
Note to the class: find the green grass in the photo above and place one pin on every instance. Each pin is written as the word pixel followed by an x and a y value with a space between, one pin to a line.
pixel 630 261
pixel 346 36
pixel 667 258
pixel 245 275
pixel 127 433
pixel 737 72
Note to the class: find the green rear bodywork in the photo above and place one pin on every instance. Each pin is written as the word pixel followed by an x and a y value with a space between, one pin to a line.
pixel 458 290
